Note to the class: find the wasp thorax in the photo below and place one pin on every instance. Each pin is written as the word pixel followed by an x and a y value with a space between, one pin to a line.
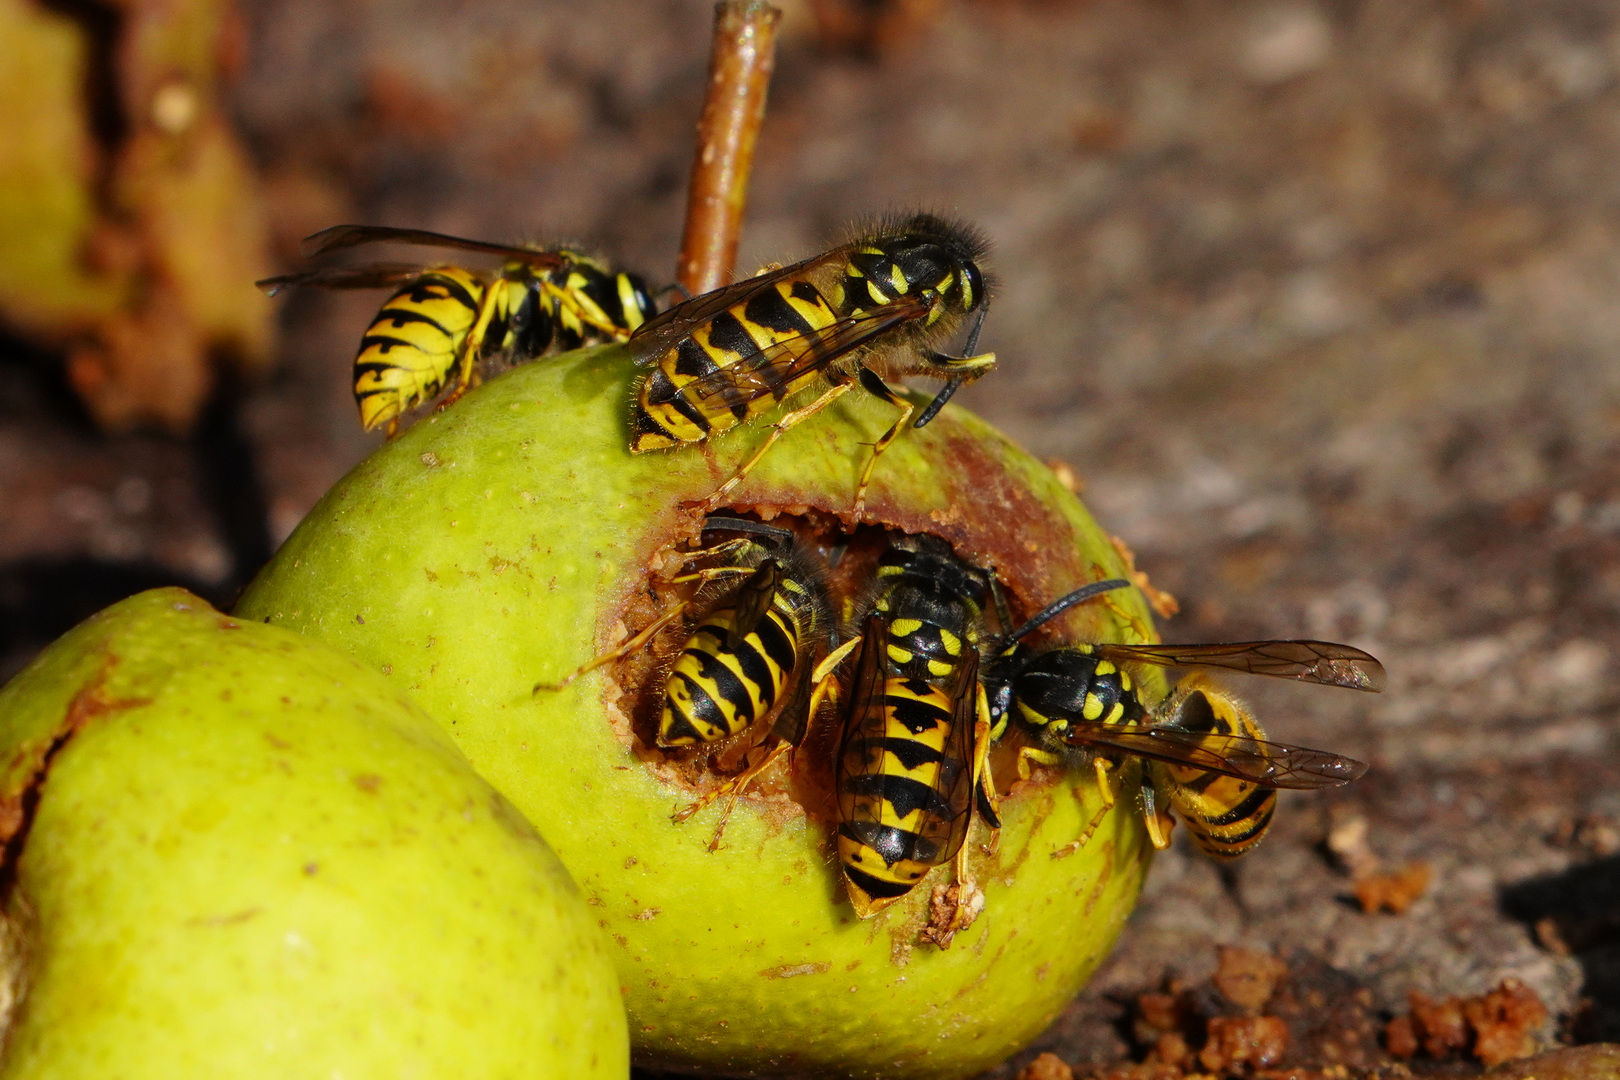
pixel 1065 688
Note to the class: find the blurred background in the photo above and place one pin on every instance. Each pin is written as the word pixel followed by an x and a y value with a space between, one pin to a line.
pixel 1319 299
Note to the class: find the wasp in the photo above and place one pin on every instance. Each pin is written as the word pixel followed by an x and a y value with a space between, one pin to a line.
pixel 747 664
pixel 443 320
pixel 1200 751
pixel 912 755
pixel 866 310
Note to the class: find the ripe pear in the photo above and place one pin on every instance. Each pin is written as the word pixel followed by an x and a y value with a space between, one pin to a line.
pixel 232 853
pixel 507 540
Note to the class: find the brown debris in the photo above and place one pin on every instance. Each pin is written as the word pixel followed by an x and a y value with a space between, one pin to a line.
pixel 1502 1025
pixel 1506 1022
pixel 1159 1014
pixel 1066 475
pixel 1257 1041
pixel 1046 1067
pixel 1170 1024
pixel 951 909
pixel 1395 891
pixel 1593 833
pixel 1247 977
pixel 1376 889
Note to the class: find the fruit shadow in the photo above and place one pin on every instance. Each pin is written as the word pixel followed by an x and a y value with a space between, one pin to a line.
pixel 1577 913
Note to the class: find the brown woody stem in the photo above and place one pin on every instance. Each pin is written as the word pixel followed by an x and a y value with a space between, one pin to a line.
pixel 740 67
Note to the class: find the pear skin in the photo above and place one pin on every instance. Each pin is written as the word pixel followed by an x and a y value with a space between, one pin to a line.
pixel 232 852
pixel 507 540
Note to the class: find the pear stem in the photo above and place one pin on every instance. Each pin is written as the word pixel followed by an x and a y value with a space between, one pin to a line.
pixel 740 67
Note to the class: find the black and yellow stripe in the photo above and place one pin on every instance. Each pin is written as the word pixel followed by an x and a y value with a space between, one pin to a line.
pixel 847 317
pixel 1199 751
pixel 443 320
pixel 413 347
pixel 408 353
pixel 736 669
pixel 906 762
pixel 1226 815
pixel 672 410
pixel 899 794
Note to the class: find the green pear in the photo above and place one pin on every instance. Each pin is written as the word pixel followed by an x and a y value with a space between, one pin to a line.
pixel 232 853
pixel 507 540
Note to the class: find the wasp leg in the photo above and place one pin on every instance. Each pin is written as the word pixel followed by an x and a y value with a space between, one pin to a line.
pixel 470 347
pixel 1126 617
pixel 623 649
pixel 392 430
pixel 630 645
pixel 983 783
pixel 717 551
pixel 1027 754
pixel 825 686
pixel 731 790
pixel 984 786
pixel 707 575
pixel 778 429
pixel 1159 822
pixel 874 385
pixel 1105 785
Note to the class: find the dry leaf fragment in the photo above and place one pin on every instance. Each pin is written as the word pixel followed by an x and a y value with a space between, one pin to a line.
pixel 1396 891
pixel 1163 604
pixel 1246 977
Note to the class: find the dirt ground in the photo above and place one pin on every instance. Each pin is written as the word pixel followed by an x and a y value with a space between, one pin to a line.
pixel 1318 299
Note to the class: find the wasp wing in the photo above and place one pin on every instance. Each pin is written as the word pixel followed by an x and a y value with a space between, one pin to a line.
pixel 347 236
pixel 1308 661
pixel 860 750
pixel 668 329
pixel 946 830
pixel 785 360
pixel 374 276
pixel 943 825
pixel 753 599
pixel 1267 764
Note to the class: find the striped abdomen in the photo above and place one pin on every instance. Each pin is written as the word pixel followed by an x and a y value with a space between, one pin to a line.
pixel 899 785
pixel 412 346
pixel 728 677
pixel 670 410
pixel 1226 815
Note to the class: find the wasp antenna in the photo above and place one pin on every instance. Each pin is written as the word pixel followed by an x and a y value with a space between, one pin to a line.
pixel 938 403
pixel 1064 603
pixel 758 528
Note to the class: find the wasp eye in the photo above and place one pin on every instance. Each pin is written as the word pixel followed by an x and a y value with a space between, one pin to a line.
pixel 972 286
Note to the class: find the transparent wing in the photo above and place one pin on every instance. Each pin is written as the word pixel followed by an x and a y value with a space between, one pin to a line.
pixel 863 723
pixel 787 359
pixel 1268 764
pixel 1308 661
pixel 667 329
pixel 347 236
pixel 956 774
pixel 374 276
pixel 753 599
